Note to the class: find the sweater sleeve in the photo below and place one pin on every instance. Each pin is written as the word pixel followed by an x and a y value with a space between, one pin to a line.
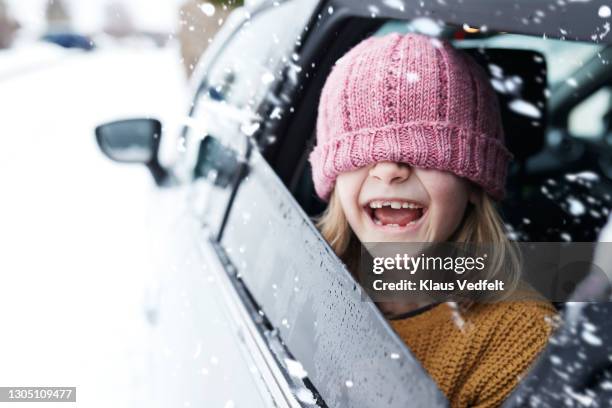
pixel 521 334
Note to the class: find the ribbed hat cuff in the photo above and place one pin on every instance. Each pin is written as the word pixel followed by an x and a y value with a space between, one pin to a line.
pixel 478 157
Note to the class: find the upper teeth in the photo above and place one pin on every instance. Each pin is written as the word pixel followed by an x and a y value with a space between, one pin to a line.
pixel 393 204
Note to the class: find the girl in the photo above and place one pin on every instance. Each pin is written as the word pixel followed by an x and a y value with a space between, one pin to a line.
pixel 410 148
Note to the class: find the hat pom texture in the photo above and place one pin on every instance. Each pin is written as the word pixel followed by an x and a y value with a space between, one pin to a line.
pixel 413 99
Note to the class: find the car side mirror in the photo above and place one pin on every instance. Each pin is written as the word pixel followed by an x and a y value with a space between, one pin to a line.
pixel 218 163
pixel 133 141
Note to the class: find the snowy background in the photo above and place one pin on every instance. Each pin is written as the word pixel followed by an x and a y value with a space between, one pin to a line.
pixel 89 15
pixel 80 282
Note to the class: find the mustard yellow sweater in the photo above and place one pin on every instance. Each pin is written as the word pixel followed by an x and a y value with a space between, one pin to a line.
pixel 477 357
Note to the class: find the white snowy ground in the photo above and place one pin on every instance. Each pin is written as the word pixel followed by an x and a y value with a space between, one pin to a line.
pixel 76 260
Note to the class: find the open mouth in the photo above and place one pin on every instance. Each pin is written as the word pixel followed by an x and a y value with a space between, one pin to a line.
pixel 395 213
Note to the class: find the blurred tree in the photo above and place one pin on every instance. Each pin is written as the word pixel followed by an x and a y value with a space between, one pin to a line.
pixel 118 21
pixel 199 21
pixel 8 26
pixel 58 18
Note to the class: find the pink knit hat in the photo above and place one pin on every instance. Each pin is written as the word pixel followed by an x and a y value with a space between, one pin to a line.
pixel 413 99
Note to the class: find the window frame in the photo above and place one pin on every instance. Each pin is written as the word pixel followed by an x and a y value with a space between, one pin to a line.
pixel 187 163
pixel 355 336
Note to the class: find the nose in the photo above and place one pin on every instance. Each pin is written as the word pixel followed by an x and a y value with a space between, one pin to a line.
pixel 390 172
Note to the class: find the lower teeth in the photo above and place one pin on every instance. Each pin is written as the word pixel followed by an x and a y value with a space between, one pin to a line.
pixel 379 222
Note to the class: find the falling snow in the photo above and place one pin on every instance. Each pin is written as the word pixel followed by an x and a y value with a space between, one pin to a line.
pixel 576 207
pixel 208 9
pixel 525 108
pixel 591 338
pixel 584 175
pixel 412 77
pixel 395 4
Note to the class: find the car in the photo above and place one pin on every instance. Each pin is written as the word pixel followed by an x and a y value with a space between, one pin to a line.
pixel 315 338
pixel 69 40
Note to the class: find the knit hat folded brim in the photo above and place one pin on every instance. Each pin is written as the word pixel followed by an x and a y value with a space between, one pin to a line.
pixel 464 152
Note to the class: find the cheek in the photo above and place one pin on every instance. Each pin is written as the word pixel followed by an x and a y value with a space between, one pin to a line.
pixel 449 197
pixel 348 186
pixel 449 190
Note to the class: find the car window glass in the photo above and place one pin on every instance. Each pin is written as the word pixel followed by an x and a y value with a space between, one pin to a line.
pixel 331 337
pixel 257 53
pixel 243 71
pixel 223 113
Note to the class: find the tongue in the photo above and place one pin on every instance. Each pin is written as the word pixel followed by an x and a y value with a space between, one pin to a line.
pixel 403 216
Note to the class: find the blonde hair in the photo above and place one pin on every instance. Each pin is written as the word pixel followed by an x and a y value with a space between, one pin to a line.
pixel 481 224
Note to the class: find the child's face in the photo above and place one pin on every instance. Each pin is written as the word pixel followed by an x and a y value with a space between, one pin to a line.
pixel 394 202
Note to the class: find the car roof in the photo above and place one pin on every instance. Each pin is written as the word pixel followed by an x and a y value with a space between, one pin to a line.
pixel 562 19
